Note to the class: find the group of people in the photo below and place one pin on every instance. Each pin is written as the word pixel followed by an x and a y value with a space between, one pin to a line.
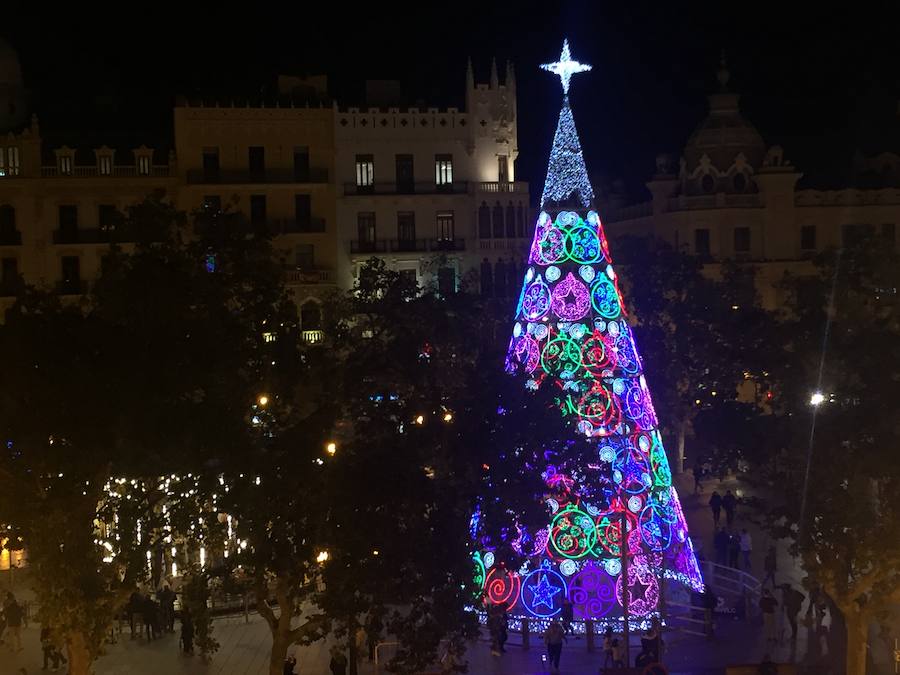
pixel 157 615
pixel 733 549
pixel 12 615
pixel 717 503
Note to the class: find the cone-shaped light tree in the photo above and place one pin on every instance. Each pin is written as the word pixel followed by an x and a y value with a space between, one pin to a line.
pixel 571 334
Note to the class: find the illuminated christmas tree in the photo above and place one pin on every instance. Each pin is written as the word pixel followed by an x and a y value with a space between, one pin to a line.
pixel 572 335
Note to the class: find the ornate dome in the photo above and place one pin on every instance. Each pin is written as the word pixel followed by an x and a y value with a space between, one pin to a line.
pixel 723 135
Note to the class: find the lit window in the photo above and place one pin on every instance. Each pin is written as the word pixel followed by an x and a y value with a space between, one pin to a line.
pixel 12 162
pixel 269 337
pixel 105 165
pixel 443 170
pixel 65 165
pixel 144 165
pixel 365 171
pixel 445 226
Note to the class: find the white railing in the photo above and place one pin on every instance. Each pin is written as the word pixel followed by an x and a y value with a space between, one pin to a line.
pixel 518 187
pixel 312 337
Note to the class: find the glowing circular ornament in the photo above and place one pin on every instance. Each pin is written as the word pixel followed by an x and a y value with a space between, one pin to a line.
pixel 517 329
pixel 626 355
pixel 552 273
pixel 610 272
pixel 592 592
pixel 613 566
pixel 489 559
pixel 561 357
pixel 585 428
pixel 635 503
pixel 637 405
pixel 526 352
pixel 571 300
pixel 529 275
pixel 541 331
pixel 607 454
pixel 583 245
pixel 595 354
pixel 609 536
pixel 502 587
pixel 613 328
pixel 572 533
pixel 592 510
pixel 659 463
pixel 643 589
pixel 587 273
pixel 655 530
pixel 552 246
pixel 480 573
pixel 543 592
pixel 618 386
pixel 596 405
pixel 577 331
pixel 605 298
pixel 536 301
pixel 553 505
pixel 568 567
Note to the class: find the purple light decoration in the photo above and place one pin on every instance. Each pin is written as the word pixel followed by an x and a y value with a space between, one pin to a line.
pixel 536 301
pixel 571 300
pixel 592 592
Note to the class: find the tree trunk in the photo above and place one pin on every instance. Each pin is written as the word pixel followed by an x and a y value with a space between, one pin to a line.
pixel 679 458
pixel 279 653
pixel 79 654
pixel 857 641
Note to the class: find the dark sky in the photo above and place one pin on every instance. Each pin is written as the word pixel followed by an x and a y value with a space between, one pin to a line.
pixel 819 83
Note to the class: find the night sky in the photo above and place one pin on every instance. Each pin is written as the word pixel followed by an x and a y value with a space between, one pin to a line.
pixel 818 83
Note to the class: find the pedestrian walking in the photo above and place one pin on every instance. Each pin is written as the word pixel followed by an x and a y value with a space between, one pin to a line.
pixel 338 663
pixel 770 564
pixel 710 602
pixel 618 654
pixel 567 615
pixel 187 632
pixel 720 543
pixel 792 601
pixel 608 648
pixel 503 627
pixel 52 656
pixel 553 638
pixel 729 503
pixel 715 504
pixel 13 613
pixel 734 551
pixel 150 612
pixel 698 477
pixel 768 604
pixel 135 608
pixel 166 598
pixel 746 548
pixel 493 624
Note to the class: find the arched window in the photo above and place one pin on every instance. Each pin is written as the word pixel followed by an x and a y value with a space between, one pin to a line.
pixel 739 180
pixel 7 221
pixel 708 183
pixel 500 278
pixel 484 221
pixel 311 316
pixel 511 221
pixel 487 279
pixel 520 220
pixel 498 221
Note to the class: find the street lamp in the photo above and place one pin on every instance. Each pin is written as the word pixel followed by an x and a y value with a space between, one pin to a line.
pixel 263 400
pixel 817 399
pixel 331 448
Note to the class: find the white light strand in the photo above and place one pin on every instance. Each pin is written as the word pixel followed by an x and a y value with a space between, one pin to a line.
pixel 566 172
pixel 565 67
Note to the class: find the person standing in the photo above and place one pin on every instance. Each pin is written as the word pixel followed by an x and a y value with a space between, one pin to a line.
pixel 746 548
pixel 710 602
pixel 50 649
pixel 792 601
pixel 770 564
pixel 715 504
pixel 729 502
pixel 734 551
pixel 698 477
pixel 567 615
pixel 767 603
pixel 493 624
pixel 553 638
pixel 608 648
pixel 503 627
pixel 166 597
pixel 12 610
pixel 135 608
pixel 720 543
pixel 187 632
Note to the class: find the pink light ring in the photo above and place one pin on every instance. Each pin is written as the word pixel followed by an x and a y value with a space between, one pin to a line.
pixel 543 222
pixel 571 299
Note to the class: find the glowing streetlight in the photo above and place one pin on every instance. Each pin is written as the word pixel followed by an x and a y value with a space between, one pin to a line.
pixel 448 416
pixel 263 400
pixel 420 419
pixel 331 448
pixel 817 399
pixel 322 557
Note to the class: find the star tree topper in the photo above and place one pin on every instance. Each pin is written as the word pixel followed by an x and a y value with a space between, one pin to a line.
pixel 566 67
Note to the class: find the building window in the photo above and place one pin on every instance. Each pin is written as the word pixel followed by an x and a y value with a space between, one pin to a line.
pixel 446 281
pixel 310 316
pixel 484 221
pixel 9 276
pixel 500 279
pixel 443 171
pixel 511 221
pixel 701 241
pixel 258 210
pixel 739 181
pixel 444 221
pixel 520 220
pixel 68 223
pixel 405 174
pixel 212 204
pixel 106 217
pixel 305 257
pixel 808 238
pixel 65 165
pixel 406 227
pixel 365 226
pixel 211 164
pixel 498 221
pixel 7 223
pixel 105 165
pixel 503 169
pixel 742 240
pixel 708 183
pixel 487 278
pixel 256 159
pixel 143 165
pixel 71 274
pixel 301 164
pixel 365 172
pixel 9 161
pixel 303 215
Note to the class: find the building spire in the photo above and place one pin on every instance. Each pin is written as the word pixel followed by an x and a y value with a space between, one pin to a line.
pixel 566 171
pixel 495 81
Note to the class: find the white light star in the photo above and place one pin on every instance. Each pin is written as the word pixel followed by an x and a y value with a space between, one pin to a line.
pixel 565 67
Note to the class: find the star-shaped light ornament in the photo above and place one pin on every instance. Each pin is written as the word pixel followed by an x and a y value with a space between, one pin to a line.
pixel 544 591
pixel 566 67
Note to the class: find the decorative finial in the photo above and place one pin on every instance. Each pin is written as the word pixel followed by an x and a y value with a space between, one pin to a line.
pixel 723 75
pixel 565 67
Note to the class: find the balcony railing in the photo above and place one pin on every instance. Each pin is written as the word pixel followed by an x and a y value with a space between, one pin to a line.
pixel 403 245
pixel 293 226
pixel 237 176
pixel 295 275
pixel 93 235
pixel 127 171
pixel 13 238
pixel 518 187
pixel 367 246
pixel 312 337
pixel 447 245
pixel 407 245
pixel 402 188
pixel 72 287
